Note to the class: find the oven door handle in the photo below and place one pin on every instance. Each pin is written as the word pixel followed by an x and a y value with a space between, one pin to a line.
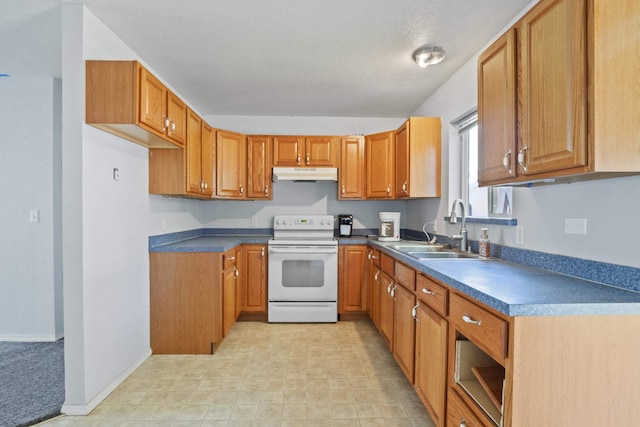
pixel 304 249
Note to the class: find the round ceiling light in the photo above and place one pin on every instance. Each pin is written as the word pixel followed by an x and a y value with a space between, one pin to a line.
pixel 428 55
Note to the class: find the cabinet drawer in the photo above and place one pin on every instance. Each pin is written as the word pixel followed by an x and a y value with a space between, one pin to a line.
pixel 433 294
pixel 229 259
pixel 459 414
pixel 486 330
pixel 387 263
pixel 406 276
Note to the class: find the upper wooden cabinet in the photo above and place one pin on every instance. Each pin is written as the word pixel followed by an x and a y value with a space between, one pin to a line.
pixel 352 175
pixel 305 151
pixel 231 164
pixel 379 155
pixel 417 158
pixel 577 103
pixel 123 98
pixel 259 167
pixel 497 138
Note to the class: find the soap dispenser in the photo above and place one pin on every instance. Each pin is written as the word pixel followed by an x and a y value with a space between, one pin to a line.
pixel 485 245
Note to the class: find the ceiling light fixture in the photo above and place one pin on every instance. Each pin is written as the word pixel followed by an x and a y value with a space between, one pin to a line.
pixel 428 55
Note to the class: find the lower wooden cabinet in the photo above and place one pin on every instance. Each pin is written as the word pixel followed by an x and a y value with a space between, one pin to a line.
pixel 230 290
pixel 404 330
pixel 459 414
pixel 185 302
pixel 387 306
pixel 431 362
pixel 352 292
pixel 254 283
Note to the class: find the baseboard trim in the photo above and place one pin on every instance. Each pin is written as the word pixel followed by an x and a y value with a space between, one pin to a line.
pixel 93 403
pixel 30 338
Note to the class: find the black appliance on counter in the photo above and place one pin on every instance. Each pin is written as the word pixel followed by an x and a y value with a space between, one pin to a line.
pixel 345 225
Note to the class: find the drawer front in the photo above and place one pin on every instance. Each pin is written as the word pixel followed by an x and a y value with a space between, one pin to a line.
pixel 406 276
pixel 229 259
pixel 486 330
pixel 387 263
pixel 433 294
pixel 459 414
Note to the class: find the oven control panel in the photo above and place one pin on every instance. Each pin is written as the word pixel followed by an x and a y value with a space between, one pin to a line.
pixel 303 222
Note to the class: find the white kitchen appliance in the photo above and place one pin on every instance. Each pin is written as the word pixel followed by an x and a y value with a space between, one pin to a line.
pixel 389 226
pixel 303 270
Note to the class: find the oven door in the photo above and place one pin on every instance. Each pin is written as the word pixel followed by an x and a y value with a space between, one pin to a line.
pixel 303 273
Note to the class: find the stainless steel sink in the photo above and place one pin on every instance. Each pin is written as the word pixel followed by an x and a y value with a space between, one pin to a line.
pixel 423 251
pixel 414 247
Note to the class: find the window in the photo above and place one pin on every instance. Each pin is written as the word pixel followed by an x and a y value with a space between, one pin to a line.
pixel 480 201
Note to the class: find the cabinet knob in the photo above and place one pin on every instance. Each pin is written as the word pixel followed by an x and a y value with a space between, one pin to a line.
pixel 506 162
pixel 414 312
pixel 468 319
pixel 172 127
pixel 166 123
pixel 427 291
pixel 521 158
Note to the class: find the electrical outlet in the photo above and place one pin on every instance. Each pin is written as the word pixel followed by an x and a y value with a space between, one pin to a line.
pixel 34 215
pixel 254 221
pixel 520 234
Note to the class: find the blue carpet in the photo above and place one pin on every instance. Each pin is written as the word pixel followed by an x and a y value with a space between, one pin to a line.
pixel 31 382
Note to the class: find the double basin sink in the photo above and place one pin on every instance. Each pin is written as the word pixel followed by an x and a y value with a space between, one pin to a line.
pixel 426 251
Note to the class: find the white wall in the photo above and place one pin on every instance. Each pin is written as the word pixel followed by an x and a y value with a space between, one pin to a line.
pixel 30 265
pixel 608 205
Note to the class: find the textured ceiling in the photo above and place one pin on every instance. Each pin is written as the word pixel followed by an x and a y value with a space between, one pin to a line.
pixel 298 57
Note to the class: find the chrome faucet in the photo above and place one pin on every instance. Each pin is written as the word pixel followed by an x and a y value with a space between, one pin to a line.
pixel 453 219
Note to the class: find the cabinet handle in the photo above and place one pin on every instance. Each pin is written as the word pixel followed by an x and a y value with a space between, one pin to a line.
pixel 231 258
pixel 166 123
pixel 371 256
pixel 389 288
pixel 414 312
pixel 266 190
pixel 241 190
pixel 235 272
pixel 463 423
pixel 388 189
pixel 404 187
pixel 427 291
pixel 298 158
pixel 393 292
pixel 521 157
pixel 376 276
pixel 343 190
pixel 468 319
pixel 262 252
pixel 308 158
pixel 172 127
pixel 506 162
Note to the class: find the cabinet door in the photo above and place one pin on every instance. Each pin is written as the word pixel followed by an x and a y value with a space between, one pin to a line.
pixel 208 160
pixel 459 414
pixel 497 111
pixel 288 150
pixel 386 308
pixel 379 165
pixel 153 102
pixel 177 115
pixel 431 362
pixel 194 153
pixel 255 279
pixel 404 330
pixel 229 298
pixel 553 117
pixel 376 286
pixel 231 164
pixel 352 173
pixel 401 147
pixel 352 296
pixel 259 167
pixel 319 151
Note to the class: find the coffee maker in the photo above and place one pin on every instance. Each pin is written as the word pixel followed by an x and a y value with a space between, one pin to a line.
pixel 345 224
pixel 389 226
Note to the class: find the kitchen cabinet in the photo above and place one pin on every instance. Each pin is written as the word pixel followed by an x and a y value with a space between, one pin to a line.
pixel 254 294
pixel 352 294
pixel 231 165
pixel 373 284
pixel 497 137
pixel 431 347
pixel 404 329
pixel 303 151
pixel 387 306
pixel 189 172
pixel 351 180
pixel 379 157
pixel 125 99
pixel 417 158
pixel 230 290
pixel 259 167
pixel 576 106
pixel 185 302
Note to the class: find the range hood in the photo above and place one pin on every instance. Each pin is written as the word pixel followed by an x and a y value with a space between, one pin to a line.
pixel 305 174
